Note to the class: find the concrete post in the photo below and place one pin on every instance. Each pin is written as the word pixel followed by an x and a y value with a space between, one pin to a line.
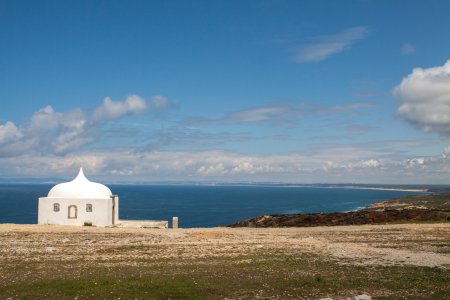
pixel 175 222
pixel 115 209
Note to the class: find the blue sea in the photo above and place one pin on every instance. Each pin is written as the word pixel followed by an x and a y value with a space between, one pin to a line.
pixel 202 206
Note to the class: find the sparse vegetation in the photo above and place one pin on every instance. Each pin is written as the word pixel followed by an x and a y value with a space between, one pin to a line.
pixel 95 263
pixel 365 216
pixel 428 201
pixel 268 274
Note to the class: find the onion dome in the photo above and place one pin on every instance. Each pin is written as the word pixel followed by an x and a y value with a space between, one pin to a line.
pixel 80 187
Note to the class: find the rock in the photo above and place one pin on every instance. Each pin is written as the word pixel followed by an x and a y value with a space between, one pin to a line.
pixel 363 297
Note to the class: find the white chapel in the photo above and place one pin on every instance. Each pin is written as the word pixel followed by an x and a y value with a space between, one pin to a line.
pixel 79 202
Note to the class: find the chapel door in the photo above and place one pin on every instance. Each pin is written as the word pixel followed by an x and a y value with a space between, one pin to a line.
pixel 73 212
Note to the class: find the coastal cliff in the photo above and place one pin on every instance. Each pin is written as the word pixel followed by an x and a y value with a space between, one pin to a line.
pixel 347 218
pixel 421 208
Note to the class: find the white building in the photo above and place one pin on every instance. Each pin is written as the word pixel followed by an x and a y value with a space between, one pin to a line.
pixel 79 202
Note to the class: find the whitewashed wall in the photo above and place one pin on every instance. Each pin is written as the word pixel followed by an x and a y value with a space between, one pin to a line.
pixel 101 214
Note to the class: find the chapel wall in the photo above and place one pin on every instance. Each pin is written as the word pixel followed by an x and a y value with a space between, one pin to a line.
pixel 101 214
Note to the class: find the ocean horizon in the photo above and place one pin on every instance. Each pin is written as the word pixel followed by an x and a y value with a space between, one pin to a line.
pixel 204 205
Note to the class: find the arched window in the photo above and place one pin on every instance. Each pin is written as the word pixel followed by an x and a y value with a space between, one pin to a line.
pixel 73 212
pixel 88 207
pixel 55 207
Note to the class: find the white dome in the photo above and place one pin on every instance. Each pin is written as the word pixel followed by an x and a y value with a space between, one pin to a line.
pixel 80 187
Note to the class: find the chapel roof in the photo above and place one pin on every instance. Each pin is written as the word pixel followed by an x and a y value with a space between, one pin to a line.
pixel 80 187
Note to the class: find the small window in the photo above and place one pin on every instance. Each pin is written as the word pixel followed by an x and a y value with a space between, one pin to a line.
pixel 88 207
pixel 55 207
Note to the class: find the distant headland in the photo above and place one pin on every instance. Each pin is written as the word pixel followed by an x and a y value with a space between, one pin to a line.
pixel 407 209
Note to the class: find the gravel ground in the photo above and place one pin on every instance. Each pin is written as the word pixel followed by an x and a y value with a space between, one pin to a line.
pixel 404 244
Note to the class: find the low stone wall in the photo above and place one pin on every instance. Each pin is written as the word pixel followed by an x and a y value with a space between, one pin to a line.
pixel 144 223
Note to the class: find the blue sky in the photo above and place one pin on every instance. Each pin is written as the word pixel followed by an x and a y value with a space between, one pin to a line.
pixel 229 91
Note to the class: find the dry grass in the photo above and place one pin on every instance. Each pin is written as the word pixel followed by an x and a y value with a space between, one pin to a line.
pixel 388 261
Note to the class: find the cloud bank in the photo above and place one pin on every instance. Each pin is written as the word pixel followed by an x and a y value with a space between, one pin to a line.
pixel 329 45
pixel 343 164
pixel 54 144
pixel 425 98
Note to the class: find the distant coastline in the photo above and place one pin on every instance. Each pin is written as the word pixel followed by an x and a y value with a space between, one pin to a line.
pixel 415 188
pixel 384 189
pixel 336 186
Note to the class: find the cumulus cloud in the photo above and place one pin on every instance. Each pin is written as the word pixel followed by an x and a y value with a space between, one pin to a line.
pixel 59 133
pixel 425 98
pixel 45 118
pixel 9 132
pixel 351 166
pixel 329 45
pixel 371 163
pixel 414 162
pixel 111 110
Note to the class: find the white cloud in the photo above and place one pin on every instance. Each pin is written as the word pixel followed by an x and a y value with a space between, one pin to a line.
pixel 414 162
pixel 111 110
pixel 329 166
pixel 49 131
pixel 329 45
pixel 212 170
pixel 407 49
pixel 45 118
pixel 371 163
pixel 425 98
pixel 446 152
pixel 57 132
pixel 9 132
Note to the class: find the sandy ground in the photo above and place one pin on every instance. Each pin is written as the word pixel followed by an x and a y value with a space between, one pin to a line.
pixel 405 244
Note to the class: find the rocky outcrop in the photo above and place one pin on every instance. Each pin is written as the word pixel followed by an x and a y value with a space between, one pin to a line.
pixel 346 218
